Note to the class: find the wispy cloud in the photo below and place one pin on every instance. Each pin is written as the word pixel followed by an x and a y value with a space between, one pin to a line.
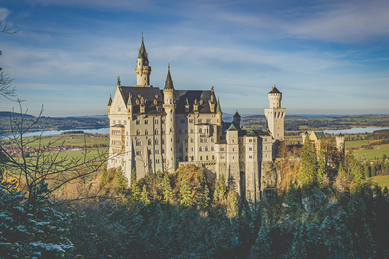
pixel 3 13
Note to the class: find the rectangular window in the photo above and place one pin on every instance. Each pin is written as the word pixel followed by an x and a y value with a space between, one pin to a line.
pixel 190 120
pixel 157 161
pixel 157 152
pixel 138 153
pixel 182 121
pixel 200 120
pixel 208 120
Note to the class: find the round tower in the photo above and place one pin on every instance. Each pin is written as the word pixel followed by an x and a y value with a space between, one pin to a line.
pixel 275 98
pixel 142 68
pixel 170 107
pixel 340 144
pixel 275 115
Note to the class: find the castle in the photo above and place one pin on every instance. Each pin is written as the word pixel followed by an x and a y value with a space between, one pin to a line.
pixel 155 130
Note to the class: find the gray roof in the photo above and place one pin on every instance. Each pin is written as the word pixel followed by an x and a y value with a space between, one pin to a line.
pixel 274 90
pixel 149 93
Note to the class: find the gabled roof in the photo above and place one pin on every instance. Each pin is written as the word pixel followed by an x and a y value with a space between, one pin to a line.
pixel 232 127
pixel 320 134
pixel 130 95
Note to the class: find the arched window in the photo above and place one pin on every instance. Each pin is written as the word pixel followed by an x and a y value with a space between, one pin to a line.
pixel 200 149
pixel 156 142
pixel 156 132
pixel 138 142
pixel 213 157
pixel 146 132
pixel 149 142
pixel 206 149
pixel 138 132
pixel 119 122
pixel 201 158
pixel 113 122
pixel 200 130
pixel 212 149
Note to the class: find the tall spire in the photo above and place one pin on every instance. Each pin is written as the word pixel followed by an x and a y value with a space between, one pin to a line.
pixel 218 109
pixel 142 51
pixel 169 81
pixel 142 68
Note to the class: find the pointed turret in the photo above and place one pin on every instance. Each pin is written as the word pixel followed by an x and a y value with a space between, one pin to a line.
pixel 142 52
pixel 110 100
pixel 218 109
pixel 169 81
pixel 129 102
pixel 142 69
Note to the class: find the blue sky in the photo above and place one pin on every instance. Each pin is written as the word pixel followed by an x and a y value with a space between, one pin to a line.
pixel 326 57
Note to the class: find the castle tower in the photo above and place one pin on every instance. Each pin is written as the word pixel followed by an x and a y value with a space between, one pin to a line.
pixel 275 115
pixel 142 68
pixel 236 120
pixel 232 170
pixel 340 144
pixel 170 107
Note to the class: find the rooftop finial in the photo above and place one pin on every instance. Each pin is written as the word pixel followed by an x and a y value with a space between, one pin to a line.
pixel 168 66
pixel 142 35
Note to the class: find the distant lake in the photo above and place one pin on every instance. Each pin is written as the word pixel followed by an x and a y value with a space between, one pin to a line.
pixel 106 131
pixel 355 130
pixel 58 132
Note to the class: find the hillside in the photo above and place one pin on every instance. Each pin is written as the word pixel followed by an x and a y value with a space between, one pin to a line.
pixel 56 123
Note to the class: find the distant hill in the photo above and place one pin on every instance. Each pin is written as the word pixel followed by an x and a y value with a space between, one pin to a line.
pixel 58 123
pixel 8 114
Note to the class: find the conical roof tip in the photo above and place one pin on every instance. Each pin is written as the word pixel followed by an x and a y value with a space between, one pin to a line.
pixel 169 81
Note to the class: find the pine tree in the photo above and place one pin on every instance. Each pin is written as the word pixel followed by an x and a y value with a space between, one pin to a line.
pixel 186 192
pixel 120 180
pixel 358 175
pixel 135 191
pixel 322 165
pixel 308 166
pixel 341 172
pixel 144 197
pixel 233 206
pixel 220 189
pixel 167 189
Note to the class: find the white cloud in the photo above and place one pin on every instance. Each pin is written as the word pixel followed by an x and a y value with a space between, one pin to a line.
pixel 346 21
pixel 3 14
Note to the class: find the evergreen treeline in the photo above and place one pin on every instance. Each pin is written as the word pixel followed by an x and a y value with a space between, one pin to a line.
pixel 328 209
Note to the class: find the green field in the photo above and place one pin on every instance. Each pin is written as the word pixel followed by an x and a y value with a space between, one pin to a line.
pixel 382 181
pixel 356 143
pixel 63 140
pixel 372 154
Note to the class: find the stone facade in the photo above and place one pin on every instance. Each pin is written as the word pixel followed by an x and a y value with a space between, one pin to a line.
pixel 155 130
